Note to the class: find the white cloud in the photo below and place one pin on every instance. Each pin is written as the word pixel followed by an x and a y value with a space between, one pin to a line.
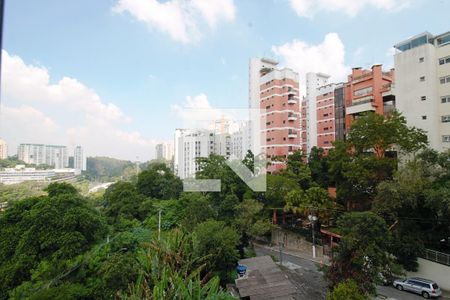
pixel 196 112
pixel 326 57
pixel 180 19
pixel 112 141
pixel 308 8
pixel 391 52
pixel 28 83
pixel 27 123
pixel 95 124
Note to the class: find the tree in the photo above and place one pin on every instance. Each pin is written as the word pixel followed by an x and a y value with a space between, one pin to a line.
pixel 315 200
pixel 159 182
pixel 298 170
pixel 217 243
pixel 215 167
pixel 250 221
pixel 318 164
pixel 362 253
pixel 50 228
pixel 277 188
pixel 417 204
pixel 374 132
pixel 197 209
pixel 171 270
pixel 347 290
pixel 122 200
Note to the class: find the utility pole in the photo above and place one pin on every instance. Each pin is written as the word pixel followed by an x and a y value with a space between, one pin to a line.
pixel 159 224
pixel 313 219
pixel 281 244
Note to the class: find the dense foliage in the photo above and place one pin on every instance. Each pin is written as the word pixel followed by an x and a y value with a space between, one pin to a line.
pixel 108 169
pixel 393 200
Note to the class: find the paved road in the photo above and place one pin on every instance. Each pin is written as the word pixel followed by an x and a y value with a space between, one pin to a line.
pixel 392 293
pixel 304 263
pixel 309 280
pixel 303 273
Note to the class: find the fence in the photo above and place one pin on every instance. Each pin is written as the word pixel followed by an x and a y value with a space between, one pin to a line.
pixel 439 257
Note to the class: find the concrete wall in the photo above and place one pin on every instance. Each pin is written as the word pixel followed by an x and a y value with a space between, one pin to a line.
pixel 433 271
pixel 293 241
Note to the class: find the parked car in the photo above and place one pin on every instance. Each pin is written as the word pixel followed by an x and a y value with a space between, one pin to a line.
pixel 426 288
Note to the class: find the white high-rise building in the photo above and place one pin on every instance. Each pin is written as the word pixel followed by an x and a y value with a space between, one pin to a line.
pixel 79 161
pixel 256 65
pixel 192 144
pixel 3 149
pixel 422 85
pixel 39 154
pixel 313 82
pixel 164 151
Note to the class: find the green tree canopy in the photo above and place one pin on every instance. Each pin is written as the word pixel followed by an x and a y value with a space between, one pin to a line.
pixel 374 132
pixel 159 182
pixel 52 228
pixel 362 253
pixel 217 243
pixel 347 290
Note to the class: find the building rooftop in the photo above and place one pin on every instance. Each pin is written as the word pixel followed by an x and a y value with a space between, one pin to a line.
pixel 264 280
pixel 423 38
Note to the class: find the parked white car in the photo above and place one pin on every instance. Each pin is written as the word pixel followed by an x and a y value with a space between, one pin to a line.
pixel 426 288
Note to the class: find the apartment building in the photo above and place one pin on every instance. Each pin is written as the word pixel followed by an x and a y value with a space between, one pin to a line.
pixel 164 151
pixel 422 87
pixel 313 82
pixel 368 90
pixel 20 174
pixel 279 98
pixel 330 115
pixel 3 149
pixel 39 154
pixel 79 160
pixel 304 126
pixel 338 105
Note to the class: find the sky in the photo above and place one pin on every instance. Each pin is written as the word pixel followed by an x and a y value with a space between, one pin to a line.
pixel 115 75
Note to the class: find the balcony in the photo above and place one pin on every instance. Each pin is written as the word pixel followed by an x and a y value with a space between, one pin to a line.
pixel 292 134
pixel 292 117
pixel 292 98
pixel 360 106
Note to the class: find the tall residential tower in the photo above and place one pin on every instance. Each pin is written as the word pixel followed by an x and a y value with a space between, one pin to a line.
pixel 422 88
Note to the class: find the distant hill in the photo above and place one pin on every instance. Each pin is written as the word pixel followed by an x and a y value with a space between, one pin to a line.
pixel 105 169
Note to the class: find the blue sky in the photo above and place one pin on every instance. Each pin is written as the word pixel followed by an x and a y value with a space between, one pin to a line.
pixel 110 74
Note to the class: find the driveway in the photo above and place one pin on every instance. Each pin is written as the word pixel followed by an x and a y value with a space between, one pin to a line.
pixel 303 273
pixel 306 276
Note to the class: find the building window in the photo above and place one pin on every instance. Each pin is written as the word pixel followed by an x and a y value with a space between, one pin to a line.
pixel 363 91
pixel 444 60
pixel 446 138
pixel 424 117
pixel 445 99
pixel 421 59
pixel 423 98
pixel 445 119
pixel 445 79
pixel 422 78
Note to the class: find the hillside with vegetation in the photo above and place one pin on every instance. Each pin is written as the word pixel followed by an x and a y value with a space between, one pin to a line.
pixel 65 245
